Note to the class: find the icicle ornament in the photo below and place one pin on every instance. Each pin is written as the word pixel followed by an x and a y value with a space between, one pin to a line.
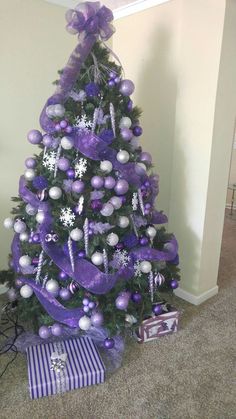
pixel 105 261
pixel 113 122
pixel 86 236
pixel 71 254
pixel 39 268
pixel 140 200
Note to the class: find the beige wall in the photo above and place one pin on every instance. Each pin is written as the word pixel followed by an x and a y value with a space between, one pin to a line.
pixel 33 46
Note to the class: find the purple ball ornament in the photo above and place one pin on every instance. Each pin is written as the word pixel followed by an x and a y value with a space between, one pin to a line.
pixel 109 182
pixel 112 74
pixel 56 329
pixel 44 332
pixel 136 297
pixel 62 276
pixel 78 186
pixel 63 124
pixel 69 129
pixel 137 131
pixel 58 127
pixel 65 294
pixel 81 254
pixel 111 83
pixel 130 105
pixel 96 205
pixel 120 246
pixel 73 287
pixel 143 241
pixel 109 343
pixel 70 173
pixel 117 80
pixel 34 136
pixel 85 301
pixel 86 309
pixel 47 140
pixel 121 187
pixel 18 283
pixel 122 301
pixel 157 309
pixel 145 157
pixel 126 134
pixel 36 238
pixel 30 163
pixel 92 305
pixel 97 182
pixel 107 210
pixel 97 319
pixel 126 87
pixel 92 89
pixel 63 164
pixel 174 284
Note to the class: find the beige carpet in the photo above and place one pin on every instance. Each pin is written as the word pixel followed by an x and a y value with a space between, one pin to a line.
pixel 188 375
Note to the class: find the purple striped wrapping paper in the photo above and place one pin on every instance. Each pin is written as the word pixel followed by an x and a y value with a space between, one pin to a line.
pixel 84 366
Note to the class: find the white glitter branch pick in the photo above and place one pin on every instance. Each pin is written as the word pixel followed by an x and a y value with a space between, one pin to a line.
pixel 105 261
pixel 56 161
pixel 80 205
pixel 86 236
pixel 140 199
pixel 71 254
pixel 95 118
pixel 39 268
pixel 151 285
pixel 113 122
pixel 135 201
pixel 45 280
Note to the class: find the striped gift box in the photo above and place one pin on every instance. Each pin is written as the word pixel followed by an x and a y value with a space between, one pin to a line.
pixel 83 366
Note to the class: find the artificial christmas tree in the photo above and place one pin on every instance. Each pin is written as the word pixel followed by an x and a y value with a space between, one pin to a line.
pixel 89 249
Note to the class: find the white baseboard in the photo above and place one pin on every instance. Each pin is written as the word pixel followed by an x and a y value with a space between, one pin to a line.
pixel 228 206
pixel 194 299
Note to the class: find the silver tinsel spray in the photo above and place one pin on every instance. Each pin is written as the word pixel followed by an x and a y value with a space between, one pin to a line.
pixel 105 261
pixel 39 268
pixel 71 254
pixel 86 236
pixel 140 199
pixel 113 122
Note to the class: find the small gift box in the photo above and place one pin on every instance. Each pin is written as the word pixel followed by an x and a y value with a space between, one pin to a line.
pixel 155 326
pixel 57 367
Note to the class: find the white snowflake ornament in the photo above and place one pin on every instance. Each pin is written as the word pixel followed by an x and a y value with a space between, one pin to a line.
pixel 81 167
pixel 135 201
pixel 67 217
pixel 49 160
pixel 83 124
pixel 121 258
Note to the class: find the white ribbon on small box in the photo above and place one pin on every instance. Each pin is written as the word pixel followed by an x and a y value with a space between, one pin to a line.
pixel 58 363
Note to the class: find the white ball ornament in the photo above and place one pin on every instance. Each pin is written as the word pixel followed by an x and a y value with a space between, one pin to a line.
pixel 145 266
pixel 107 209
pixel 24 261
pixel 135 144
pixel 24 237
pixel 151 232
pixel 19 226
pixel 106 166
pixel 123 221
pixel 40 217
pixel 67 143
pixel 52 286
pixel 50 111
pixel 142 165
pixel 29 174
pixel 112 239
pixel 26 291
pixel 125 122
pixel 55 192
pixel 84 323
pixel 30 210
pixel 59 110
pixel 116 202
pixel 8 223
pixel 76 234
pixel 122 156
pixel 97 258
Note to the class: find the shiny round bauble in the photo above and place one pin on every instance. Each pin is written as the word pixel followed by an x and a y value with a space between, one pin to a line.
pixel 86 309
pixel 122 302
pixel 58 127
pixel 11 294
pixel 59 110
pixel 134 144
pixel 50 111
pixel 121 187
pixel 111 83
pixel 174 284
pixel 97 258
pixel 42 195
pixel 109 343
pixel 136 297
pixel 30 210
pixel 30 163
pixel 73 287
pixel 44 332
pixel 62 275
pixel 24 237
pixel 96 205
pixel 151 232
pixel 47 140
pixel 125 122
pixel 126 87
pixel 157 309
pixel 26 291
pixel 137 131
pixel 63 124
pixel 78 186
pixel 35 260
pixel 117 80
pixel 85 301
pixel 81 254
pixel 40 217
pixel 24 261
pixel 67 143
pixel 126 134
pixel 120 246
pixel 36 238
pixel 76 234
pixel 97 319
pixel 145 157
pixel 92 305
pixel 19 226
pixel 145 266
pixel 106 166
pixel 109 182
pixel 112 239
pixel 141 166
pixel 70 173
pixel 8 223
pixel 116 202
pixel 123 221
pixel 55 192
pixel 56 329
pixel 52 285
pixel 84 323
pixel 63 164
pixel 97 182
pixel 34 136
pixel 107 210
pixel 18 283
pixel 122 156
pixel 69 129
pixel 130 105
pixel 29 174
pixel 143 241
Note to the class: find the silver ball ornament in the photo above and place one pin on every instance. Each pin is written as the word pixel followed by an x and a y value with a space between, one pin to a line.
pixel 125 122
pixel 97 258
pixel 84 323
pixel 24 237
pixel 8 223
pixel 24 261
pixel 67 143
pixel 29 174
pixel 123 221
pixel 151 232
pixel 107 209
pixel 145 266
pixel 55 192
pixel 116 202
pixel 106 166
pixel 40 217
pixel 26 291
pixel 50 111
pixel 76 234
pixel 30 210
pixel 112 239
pixel 52 286
pixel 122 156
pixel 59 110
pixel 19 226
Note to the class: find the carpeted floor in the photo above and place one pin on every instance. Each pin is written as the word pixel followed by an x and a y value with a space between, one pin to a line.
pixel 188 375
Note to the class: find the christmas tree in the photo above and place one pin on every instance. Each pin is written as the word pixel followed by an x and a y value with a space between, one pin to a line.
pixel 90 249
